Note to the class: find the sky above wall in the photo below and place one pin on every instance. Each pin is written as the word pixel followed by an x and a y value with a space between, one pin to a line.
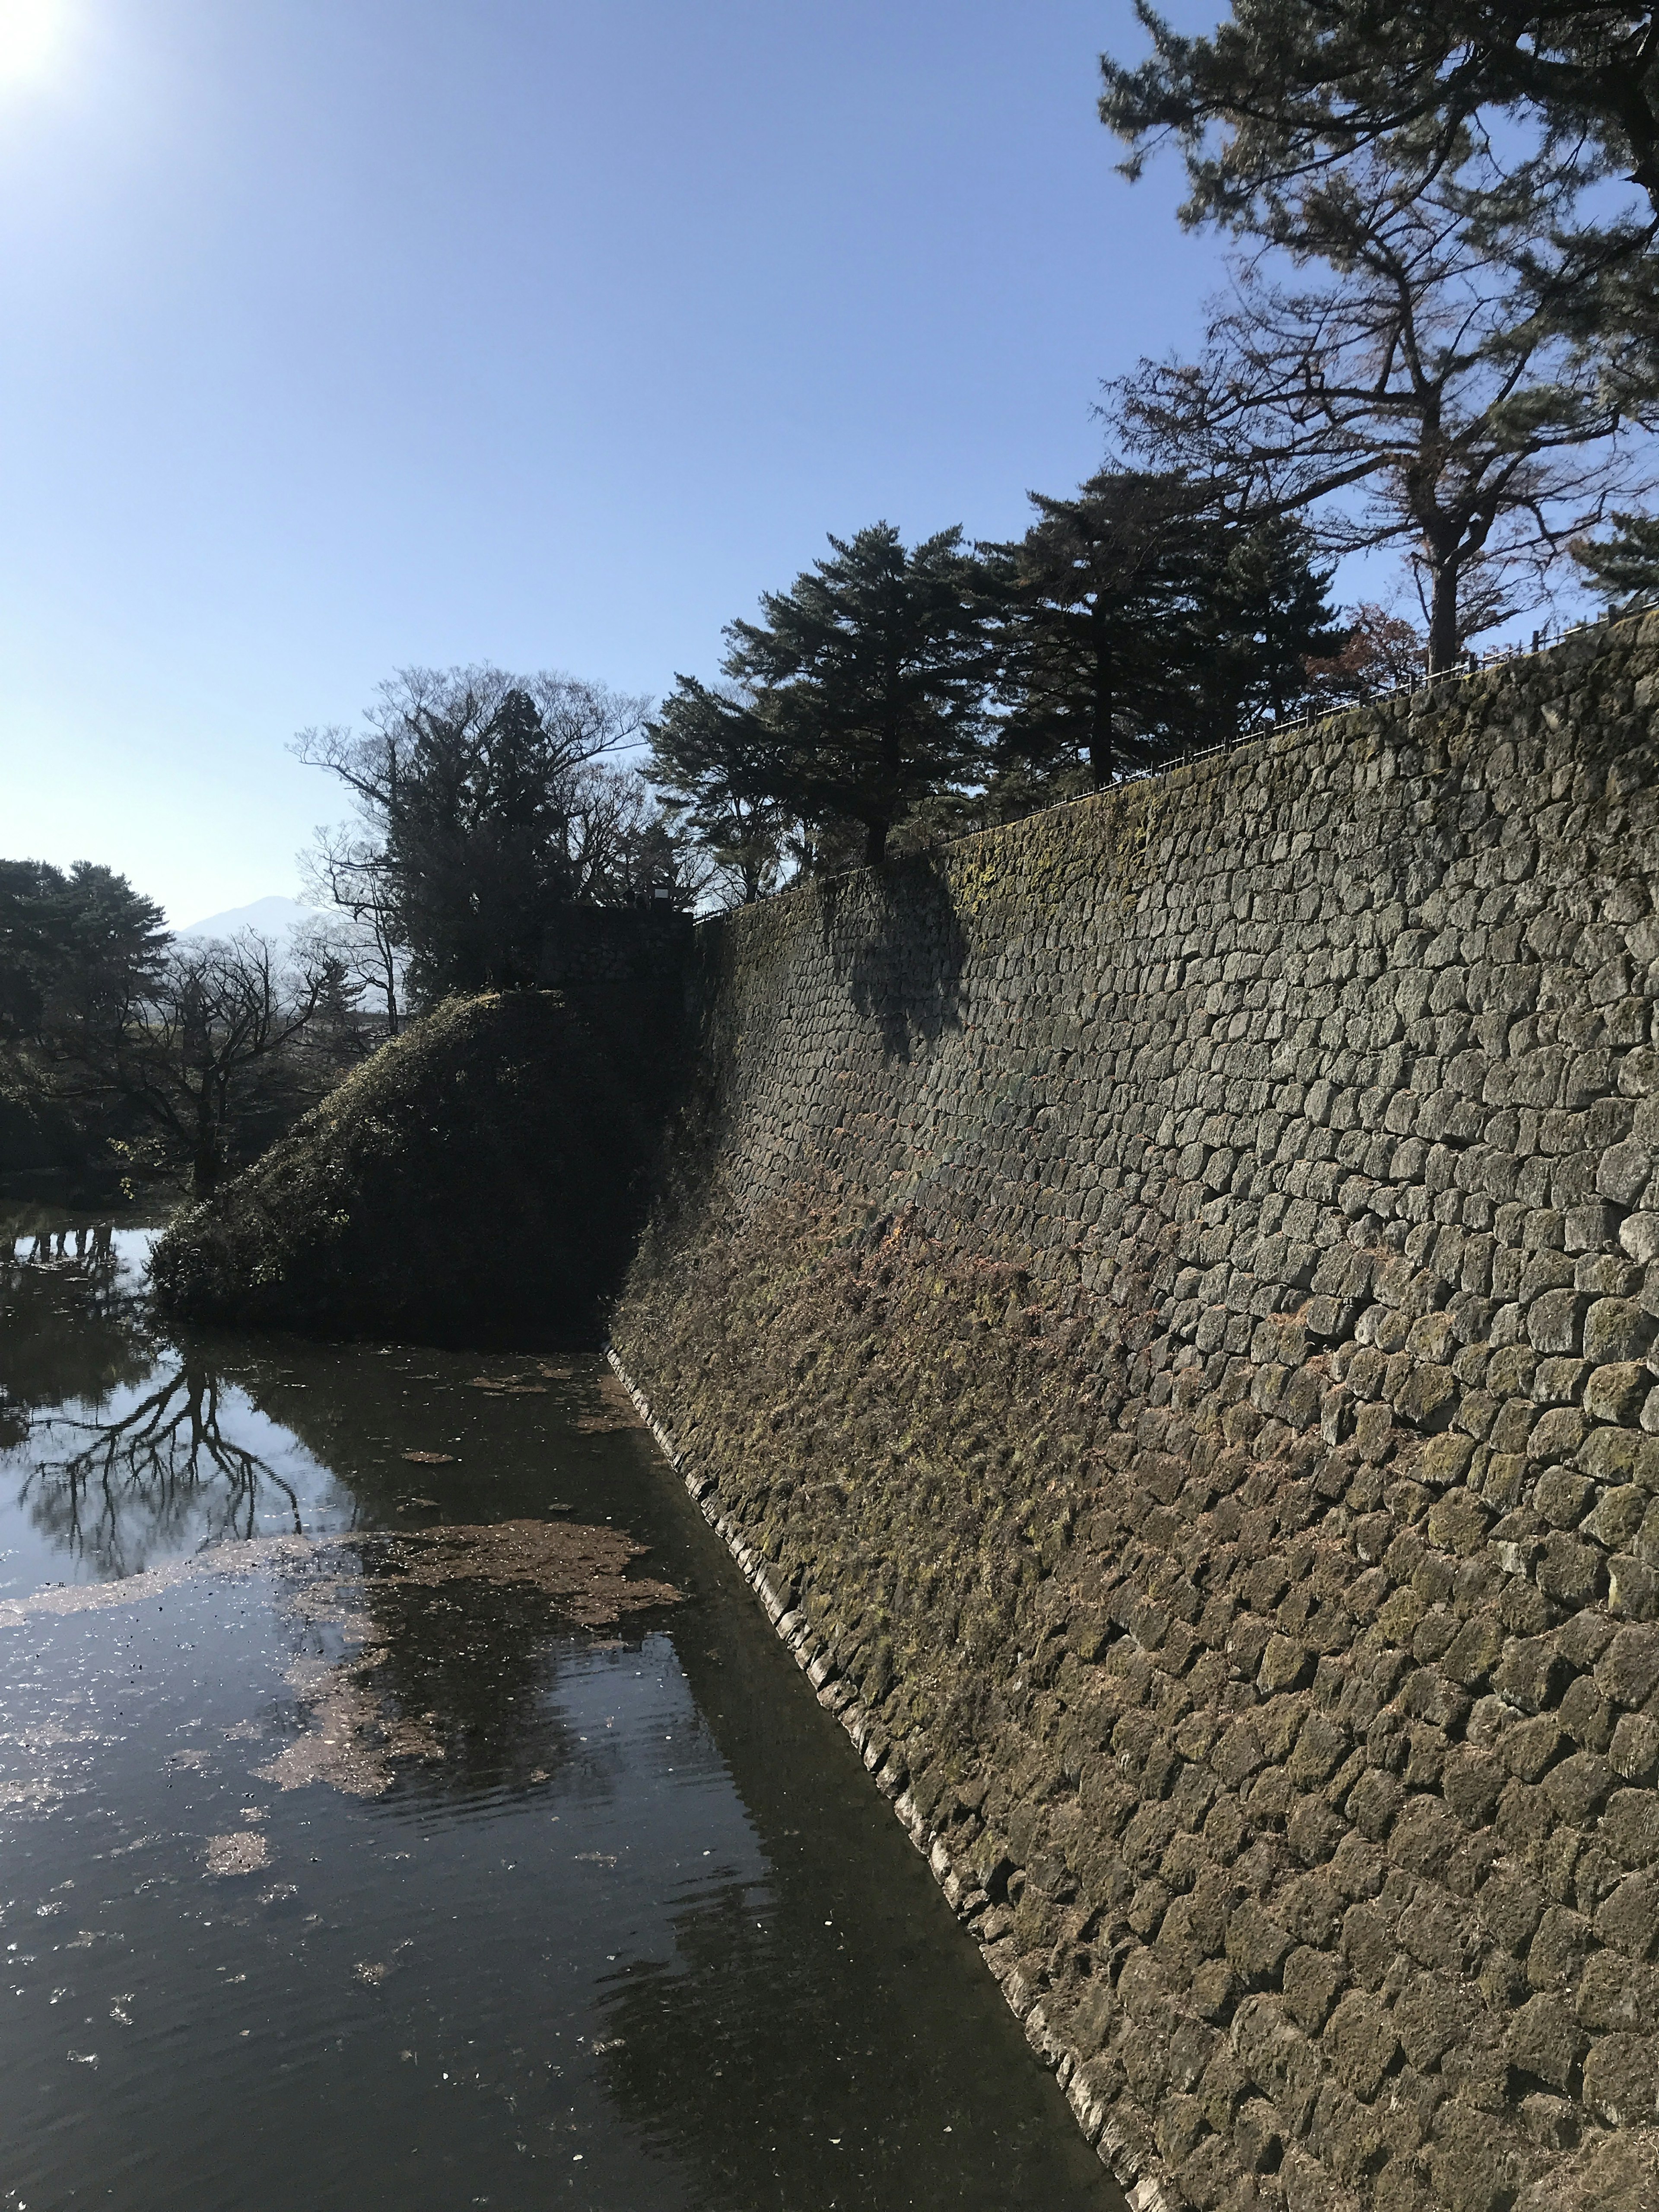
pixel 347 334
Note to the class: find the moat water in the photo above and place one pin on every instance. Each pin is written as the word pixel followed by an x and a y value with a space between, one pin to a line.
pixel 346 1863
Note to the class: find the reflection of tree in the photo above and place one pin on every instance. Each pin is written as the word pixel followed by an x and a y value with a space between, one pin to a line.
pixel 140 1480
pixel 73 1319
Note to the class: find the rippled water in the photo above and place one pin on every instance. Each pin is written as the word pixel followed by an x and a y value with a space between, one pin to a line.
pixel 324 1883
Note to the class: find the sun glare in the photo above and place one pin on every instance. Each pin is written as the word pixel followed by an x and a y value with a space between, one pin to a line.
pixel 28 35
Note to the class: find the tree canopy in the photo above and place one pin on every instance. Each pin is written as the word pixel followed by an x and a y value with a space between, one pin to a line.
pixel 1134 618
pixel 868 676
pixel 484 804
pixel 72 942
pixel 1396 386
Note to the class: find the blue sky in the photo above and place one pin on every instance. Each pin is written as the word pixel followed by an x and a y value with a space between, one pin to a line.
pixel 345 336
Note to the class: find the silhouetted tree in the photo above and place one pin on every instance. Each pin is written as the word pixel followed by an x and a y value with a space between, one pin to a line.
pixel 1100 625
pixel 196 1051
pixel 1400 393
pixel 1134 619
pixel 710 750
pixel 484 804
pixel 72 942
pixel 1561 96
pixel 869 677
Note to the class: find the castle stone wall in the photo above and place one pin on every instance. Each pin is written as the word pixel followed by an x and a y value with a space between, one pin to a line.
pixel 1170 1287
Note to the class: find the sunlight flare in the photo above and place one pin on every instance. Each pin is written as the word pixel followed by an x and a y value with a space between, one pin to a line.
pixel 30 31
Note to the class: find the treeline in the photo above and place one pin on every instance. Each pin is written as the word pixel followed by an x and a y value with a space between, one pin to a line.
pixel 125 1051
pixel 897 693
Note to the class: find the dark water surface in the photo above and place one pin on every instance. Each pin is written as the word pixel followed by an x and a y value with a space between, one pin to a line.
pixel 323 1884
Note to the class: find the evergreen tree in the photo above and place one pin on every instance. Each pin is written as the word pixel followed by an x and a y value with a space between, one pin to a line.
pixel 1136 620
pixel 1626 564
pixel 72 944
pixel 869 676
pixel 709 753
pixel 478 845
pixel 1100 605
pixel 1267 617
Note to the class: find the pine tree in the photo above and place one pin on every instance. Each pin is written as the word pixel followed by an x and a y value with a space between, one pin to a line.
pixel 708 751
pixel 1627 564
pixel 869 676
pixel 1137 620
pixel 1267 617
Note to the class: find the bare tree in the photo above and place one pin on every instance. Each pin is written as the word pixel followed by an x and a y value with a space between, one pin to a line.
pixel 1403 392
pixel 117 1486
pixel 195 1048
pixel 357 914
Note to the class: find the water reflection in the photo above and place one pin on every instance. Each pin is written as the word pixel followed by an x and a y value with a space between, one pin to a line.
pixel 118 1448
pixel 117 1488
pixel 335 1879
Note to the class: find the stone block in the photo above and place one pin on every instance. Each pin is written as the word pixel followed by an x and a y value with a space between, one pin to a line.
pixel 1286 1664
pixel 1590 1226
pixel 1557 1951
pixel 1627 1672
pixel 1475 1649
pixel 1562 1497
pixel 1632 1588
pixel 1614 1455
pixel 1362 2043
pixel 1530 1748
pixel 1628 1916
pixel 1616 1329
pixel 1634 1750
pixel 1621 2081
pixel 1509 1908
pixel 1617 1518
pixel 1639 1236
pixel 1427 1397
pixel 1545 2041
pixel 1555 1321
pixel 1617 1995
pixel 1458 1522
pixel 1313 1980
pixel 1625 1173
pixel 1578 1786
pixel 1572 1572
pixel 1446 1459
pixel 1630 1827
pixel 1618 1392
pixel 1531 1675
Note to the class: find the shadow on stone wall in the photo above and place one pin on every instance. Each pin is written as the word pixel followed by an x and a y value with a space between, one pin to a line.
pixel 893 936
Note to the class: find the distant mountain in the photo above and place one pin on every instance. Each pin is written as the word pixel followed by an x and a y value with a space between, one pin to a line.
pixel 274 917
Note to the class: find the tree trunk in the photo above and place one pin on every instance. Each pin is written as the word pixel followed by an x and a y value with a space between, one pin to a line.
pixel 205 1168
pixel 1443 619
pixel 1100 719
pixel 875 843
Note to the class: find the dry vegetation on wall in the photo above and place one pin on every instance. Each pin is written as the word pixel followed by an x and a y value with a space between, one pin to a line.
pixel 1173 1289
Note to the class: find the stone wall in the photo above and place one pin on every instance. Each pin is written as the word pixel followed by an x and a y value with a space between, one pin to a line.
pixel 1169 1288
